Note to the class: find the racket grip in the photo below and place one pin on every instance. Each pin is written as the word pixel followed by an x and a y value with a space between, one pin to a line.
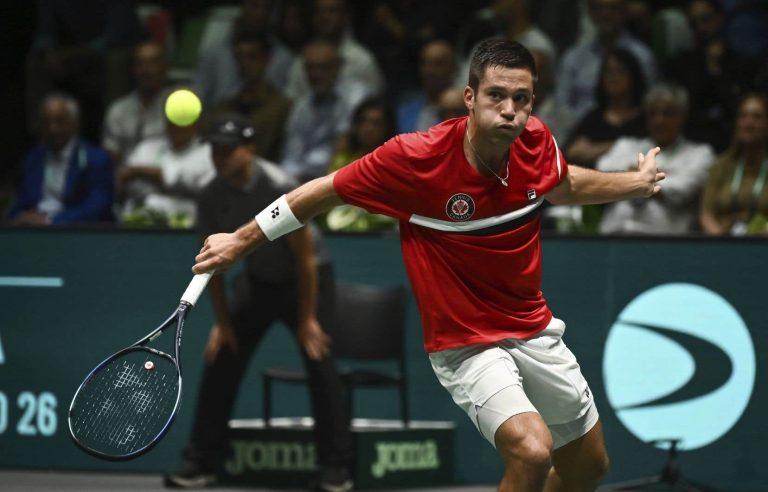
pixel 196 287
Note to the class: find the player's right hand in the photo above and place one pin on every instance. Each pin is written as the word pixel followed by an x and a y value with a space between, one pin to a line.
pixel 219 252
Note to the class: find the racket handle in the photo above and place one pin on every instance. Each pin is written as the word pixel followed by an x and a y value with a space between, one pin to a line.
pixel 196 287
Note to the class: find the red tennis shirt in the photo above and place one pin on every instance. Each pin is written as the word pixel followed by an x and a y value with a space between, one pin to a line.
pixel 471 245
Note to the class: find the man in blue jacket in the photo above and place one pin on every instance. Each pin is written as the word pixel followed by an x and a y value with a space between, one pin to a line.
pixel 64 180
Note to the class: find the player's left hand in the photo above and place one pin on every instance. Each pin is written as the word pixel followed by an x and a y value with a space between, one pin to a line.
pixel 651 175
pixel 316 343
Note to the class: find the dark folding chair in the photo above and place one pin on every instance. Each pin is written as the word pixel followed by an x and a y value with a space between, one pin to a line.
pixel 369 326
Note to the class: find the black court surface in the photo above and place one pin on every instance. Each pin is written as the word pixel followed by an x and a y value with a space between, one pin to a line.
pixel 45 481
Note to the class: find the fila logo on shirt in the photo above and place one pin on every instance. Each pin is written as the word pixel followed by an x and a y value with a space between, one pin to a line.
pixel 460 207
pixel 531 195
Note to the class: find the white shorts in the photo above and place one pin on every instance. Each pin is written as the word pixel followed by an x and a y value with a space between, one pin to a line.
pixel 493 382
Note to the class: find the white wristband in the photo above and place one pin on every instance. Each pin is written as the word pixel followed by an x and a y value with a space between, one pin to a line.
pixel 277 219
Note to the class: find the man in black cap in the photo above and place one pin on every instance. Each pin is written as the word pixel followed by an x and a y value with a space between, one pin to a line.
pixel 290 281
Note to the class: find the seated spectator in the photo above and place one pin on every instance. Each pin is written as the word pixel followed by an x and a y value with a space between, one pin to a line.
pixel 559 19
pixel 81 47
pixel 663 27
pixel 258 99
pixel 735 196
pixel 547 107
pixel 163 176
pixel 330 21
pixel 293 17
pixel 578 76
pixel 451 104
pixel 218 75
pixel 686 164
pixel 373 123
pixel 618 113
pixel 138 115
pixel 317 119
pixel 509 19
pixel 65 180
pixel 396 30
pixel 437 70
pixel 713 74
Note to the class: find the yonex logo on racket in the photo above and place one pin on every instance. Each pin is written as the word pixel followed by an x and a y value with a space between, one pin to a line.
pixel 679 363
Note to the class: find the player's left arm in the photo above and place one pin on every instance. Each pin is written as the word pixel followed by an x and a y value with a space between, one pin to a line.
pixel 584 186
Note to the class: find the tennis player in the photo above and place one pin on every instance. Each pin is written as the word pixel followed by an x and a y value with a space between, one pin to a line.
pixel 468 194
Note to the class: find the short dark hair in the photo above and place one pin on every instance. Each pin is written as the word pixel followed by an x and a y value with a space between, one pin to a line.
pixel 498 52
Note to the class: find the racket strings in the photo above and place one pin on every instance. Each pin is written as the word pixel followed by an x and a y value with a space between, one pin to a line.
pixel 126 404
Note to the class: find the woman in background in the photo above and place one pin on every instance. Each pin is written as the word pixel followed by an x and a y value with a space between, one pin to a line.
pixel 735 198
pixel 373 123
pixel 618 113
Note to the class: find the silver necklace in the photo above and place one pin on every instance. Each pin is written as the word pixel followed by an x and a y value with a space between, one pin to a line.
pixel 504 179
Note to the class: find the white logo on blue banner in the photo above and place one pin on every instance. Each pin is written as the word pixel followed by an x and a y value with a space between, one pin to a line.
pixel 679 363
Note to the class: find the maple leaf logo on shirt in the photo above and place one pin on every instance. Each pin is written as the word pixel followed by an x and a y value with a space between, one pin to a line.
pixel 460 207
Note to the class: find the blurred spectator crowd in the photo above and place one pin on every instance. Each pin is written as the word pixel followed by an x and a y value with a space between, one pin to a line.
pixel 324 82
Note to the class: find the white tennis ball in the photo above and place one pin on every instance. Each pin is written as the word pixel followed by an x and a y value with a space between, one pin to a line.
pixel 183 107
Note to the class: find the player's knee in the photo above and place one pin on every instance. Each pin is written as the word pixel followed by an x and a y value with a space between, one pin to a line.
pixel 536 453
pixel 531 452
pixel 525 446
pixel 531 461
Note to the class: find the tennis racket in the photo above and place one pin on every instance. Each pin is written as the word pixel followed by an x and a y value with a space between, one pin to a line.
pixel 128 402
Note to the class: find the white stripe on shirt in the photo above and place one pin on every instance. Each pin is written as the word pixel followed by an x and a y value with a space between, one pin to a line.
pixel 473 225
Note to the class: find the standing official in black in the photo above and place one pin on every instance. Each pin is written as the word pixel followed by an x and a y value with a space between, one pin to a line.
pixel 289 280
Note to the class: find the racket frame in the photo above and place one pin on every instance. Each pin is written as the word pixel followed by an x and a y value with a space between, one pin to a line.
pixel 176 319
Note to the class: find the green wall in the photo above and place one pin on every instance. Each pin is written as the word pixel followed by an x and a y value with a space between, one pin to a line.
pixel 119 284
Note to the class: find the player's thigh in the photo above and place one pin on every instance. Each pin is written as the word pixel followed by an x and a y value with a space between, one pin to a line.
pixel 553 381
pixel 484 381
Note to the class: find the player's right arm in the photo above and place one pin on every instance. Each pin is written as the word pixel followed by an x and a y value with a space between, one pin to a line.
pixel 221 251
